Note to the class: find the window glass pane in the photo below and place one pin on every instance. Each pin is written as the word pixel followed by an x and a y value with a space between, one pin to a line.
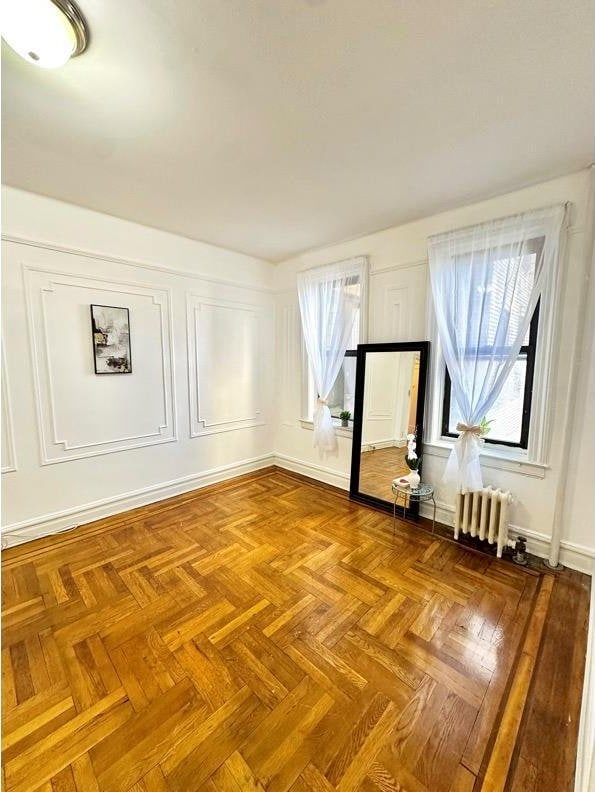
pixel 352 292
pixel 342 396
pixel 507 412
pixel 491 320
pixel 494 327
pixel 492 316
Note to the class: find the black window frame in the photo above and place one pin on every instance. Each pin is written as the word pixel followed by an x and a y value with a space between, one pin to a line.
pixel 528 352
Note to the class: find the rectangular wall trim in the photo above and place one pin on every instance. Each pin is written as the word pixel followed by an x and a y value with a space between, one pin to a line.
pixel 212 352
pixel 55 444
pixel 8 449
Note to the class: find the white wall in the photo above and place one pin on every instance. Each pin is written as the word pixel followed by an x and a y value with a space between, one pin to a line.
pixel 198 404
pixel 386 399
pixel 398 312
pixel 378 420
pixel 217 383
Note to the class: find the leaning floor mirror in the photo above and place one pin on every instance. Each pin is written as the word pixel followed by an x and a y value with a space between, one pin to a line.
pixel 390 387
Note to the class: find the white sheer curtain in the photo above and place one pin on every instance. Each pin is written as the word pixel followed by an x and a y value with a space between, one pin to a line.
pixel 486 281
pixel 328 312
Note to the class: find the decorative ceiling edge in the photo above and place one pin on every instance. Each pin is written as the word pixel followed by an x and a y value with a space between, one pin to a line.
pixel 75 251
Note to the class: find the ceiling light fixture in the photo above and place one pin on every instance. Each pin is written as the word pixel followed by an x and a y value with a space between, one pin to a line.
pixel 46 33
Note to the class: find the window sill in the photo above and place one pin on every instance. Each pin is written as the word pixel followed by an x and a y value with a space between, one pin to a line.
pixel 341 431
pixel 502 458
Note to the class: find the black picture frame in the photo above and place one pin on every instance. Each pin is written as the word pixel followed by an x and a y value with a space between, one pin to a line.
pixel 94 330
pixel 363 350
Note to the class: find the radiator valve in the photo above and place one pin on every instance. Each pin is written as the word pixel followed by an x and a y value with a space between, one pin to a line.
pixel 520 551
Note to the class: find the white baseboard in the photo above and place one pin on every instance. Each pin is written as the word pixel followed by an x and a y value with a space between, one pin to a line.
pixel 327 475
pixel 376 444
pixel 399 442
pixel 572 555
pixel 48 524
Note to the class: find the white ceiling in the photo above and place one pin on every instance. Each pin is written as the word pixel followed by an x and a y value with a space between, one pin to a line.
pixel 274 126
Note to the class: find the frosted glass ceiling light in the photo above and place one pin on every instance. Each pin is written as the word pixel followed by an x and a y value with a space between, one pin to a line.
pixel 46 33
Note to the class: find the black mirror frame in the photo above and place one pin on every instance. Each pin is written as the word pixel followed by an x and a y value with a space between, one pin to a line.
pixel 423 347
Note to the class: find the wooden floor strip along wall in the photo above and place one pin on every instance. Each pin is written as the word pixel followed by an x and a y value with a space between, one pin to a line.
pixel 500 761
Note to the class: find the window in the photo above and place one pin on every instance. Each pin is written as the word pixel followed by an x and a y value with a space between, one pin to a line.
pixel 342 396
pixel 480 276
pixel 510 416
pixel 511 413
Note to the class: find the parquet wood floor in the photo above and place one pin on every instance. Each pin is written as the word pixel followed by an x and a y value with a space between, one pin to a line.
pixel 263 634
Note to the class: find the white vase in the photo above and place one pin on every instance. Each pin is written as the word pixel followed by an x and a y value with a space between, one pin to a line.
pixel 413 478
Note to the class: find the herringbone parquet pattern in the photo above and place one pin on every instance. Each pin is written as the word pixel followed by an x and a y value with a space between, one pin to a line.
pixel 264 634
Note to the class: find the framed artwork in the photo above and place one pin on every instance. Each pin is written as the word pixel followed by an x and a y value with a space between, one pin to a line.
pixel 111 339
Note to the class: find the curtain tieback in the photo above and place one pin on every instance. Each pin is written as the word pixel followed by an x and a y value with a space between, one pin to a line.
pixel 322 401
pixel 472 429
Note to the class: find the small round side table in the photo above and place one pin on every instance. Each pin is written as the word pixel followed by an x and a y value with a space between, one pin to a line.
pixel 423 492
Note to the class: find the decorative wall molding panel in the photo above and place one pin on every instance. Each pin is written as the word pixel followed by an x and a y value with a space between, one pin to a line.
pixel 402 265
pixel 399 293
pixel 290 364
pixel 9 459
pixel 380 398
pixel 225 365
pixel 82 414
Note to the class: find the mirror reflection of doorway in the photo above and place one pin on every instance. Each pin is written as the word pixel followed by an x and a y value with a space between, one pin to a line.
pixel 413 395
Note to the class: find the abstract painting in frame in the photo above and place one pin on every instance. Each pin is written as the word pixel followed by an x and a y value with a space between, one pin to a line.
pixel 111 339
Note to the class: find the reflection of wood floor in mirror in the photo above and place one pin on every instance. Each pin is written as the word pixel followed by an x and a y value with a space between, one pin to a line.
pixel 379 468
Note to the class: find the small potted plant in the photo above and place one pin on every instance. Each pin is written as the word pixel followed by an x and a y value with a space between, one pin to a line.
pixel 345 416
pixel 484 427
